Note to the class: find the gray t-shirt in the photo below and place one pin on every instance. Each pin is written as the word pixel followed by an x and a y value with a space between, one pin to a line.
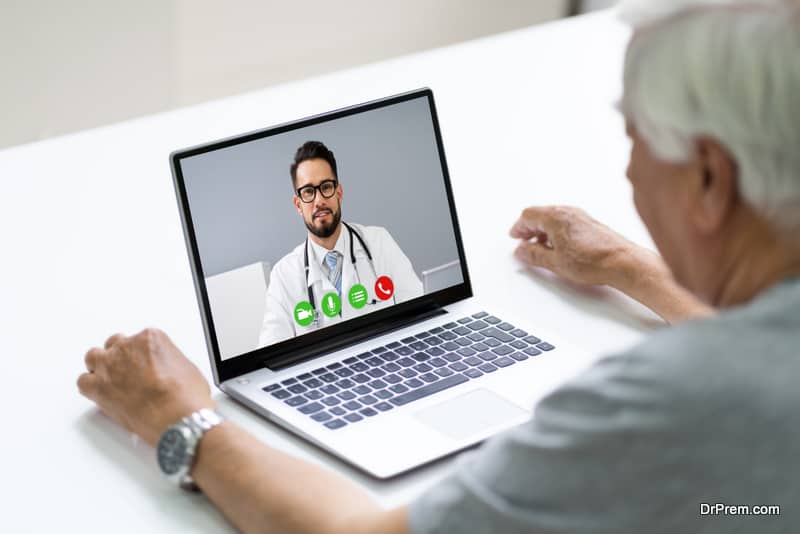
pixel 704 412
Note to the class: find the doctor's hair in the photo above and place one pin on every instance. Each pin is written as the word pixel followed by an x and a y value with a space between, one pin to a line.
pixel 312 150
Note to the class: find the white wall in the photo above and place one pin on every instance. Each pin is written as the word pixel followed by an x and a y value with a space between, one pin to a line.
pixel 67 66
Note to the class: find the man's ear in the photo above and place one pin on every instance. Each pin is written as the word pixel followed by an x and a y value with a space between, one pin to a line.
pixel 296 201
pixel 713 186
pixel 339 192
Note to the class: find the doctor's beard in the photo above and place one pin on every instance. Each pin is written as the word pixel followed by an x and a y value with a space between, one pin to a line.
pixel 325 230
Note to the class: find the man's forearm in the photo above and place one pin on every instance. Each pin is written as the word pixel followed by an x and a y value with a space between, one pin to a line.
pixel 643 276
pixel 260 489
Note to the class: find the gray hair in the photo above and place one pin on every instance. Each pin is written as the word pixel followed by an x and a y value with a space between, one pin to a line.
pixel 729 70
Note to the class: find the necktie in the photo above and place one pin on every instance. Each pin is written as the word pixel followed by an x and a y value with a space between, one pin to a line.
pixel 332 259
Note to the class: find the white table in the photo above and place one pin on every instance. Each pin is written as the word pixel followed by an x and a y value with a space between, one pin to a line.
pixel 92 245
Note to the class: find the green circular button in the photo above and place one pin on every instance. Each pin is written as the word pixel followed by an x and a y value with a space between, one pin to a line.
pixel 304 313
pixel 358 296
pixel 331 304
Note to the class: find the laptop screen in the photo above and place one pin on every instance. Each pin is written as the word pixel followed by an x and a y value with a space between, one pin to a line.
pixel 315 224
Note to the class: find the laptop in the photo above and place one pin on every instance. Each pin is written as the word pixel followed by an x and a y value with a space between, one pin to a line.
pixel 425 369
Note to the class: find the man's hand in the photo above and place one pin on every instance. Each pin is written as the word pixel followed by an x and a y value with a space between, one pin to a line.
pixel 580 249
pixel 144 383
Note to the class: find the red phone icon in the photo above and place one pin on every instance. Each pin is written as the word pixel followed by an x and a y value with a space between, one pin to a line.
pixel 384 288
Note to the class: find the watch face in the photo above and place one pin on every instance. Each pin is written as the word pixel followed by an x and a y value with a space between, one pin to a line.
pixel 171 451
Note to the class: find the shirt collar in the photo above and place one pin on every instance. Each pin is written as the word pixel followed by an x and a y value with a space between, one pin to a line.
pixel 316 260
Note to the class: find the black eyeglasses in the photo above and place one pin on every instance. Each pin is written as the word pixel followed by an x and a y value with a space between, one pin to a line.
pixel 326 188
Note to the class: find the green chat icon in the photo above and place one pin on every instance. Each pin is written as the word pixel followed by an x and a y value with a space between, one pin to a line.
pixel 358 296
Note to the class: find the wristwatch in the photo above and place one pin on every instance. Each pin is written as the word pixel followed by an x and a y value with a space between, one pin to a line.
pixel 177 446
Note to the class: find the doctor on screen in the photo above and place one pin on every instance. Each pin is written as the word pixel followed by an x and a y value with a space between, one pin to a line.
pixel 341 270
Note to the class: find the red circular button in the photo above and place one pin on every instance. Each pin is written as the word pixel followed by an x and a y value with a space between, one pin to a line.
pixel 384 288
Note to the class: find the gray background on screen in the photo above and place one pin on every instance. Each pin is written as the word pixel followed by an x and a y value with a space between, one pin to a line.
pixel 388 164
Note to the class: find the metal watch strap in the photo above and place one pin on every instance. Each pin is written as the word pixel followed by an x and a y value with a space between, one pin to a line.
pixel 199 422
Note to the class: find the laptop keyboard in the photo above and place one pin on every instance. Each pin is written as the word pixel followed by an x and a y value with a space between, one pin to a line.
pixel 401 372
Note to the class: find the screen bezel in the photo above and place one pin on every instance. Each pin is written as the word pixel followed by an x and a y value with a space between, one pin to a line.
pixel 332 337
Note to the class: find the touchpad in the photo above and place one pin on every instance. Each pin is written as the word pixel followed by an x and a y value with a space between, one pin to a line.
pixel 471 414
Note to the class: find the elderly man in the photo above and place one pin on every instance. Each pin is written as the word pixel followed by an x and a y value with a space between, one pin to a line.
pixel 704 412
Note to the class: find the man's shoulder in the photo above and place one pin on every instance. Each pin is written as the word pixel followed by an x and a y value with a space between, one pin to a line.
pixel 371 232
pixel 290 261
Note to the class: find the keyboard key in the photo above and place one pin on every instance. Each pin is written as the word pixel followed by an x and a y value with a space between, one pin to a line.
pixel 533 340
pixel 497 334
pixel 394 345
pixel 390 356
pixel 545 346
pixel 393 379
pixel 436 330
pixel 404 351
pixel 329 377
pixel 368 399
pixel 304 376
pixel 503 350
pixel 378 350
pixel 289 381
pixel 421 356
pixel 422 335
pixel 435 351
pixel 422 367
pixel 364 355
pixel 334 366
pixel 464 341
pixel 477 325
pixel 487 367
pixel 377 384
pixel 490 341
pixel 368 412
pixel 352 405
pixel 408 340
pixel 452 357
pixel 447 336
pixel 473 373
pixel 532 351
pixel 443 371
pixel 480 347
pixel 414 383
pixel 450 325
pixel 311 408
pixel 314 395
pixel 349 361
pixel 383 394
pixel 505 327
pixel 491 319
pixel 391 367
pixel 437 362
pixel 336 423
pixel 462 331
pixel 519 344
pixel 487 355
pixel 479 315
pixel 297 388
pixel 504 361
pixel 330 401
pixel 346 395
pixel 476 336
pixel 399 388
pixel 313 383
pixel 337 411
pixel 407 373
pixel 429 377
pixel 519 356
pixel 375 361
pixel 518 332
pixel 361 390
pixel 406 362
pixel 353 417
pixel 359 367
pixel 466 351
pixel 430 389
pixel 384 406
pixel 321 416
pixel 361 378
pixel 281 394
pixel 458 366
pixel 271 387
pixel 376 373
pixel 345 383
pixel 320 371
pixel 473 361
pixel 433 340
pixel 419 345
pixel 464 320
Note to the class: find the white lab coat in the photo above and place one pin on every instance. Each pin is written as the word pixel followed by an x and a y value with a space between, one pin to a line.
pixel 288 286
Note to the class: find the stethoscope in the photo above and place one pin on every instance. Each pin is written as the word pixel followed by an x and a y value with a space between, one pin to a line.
pixel 353 233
